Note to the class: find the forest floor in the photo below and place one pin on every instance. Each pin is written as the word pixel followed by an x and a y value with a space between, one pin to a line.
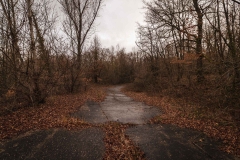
pixel 56 113
pixel 187 112
pixel 53 114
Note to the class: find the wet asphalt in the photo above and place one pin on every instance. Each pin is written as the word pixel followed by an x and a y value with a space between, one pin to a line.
pixel 158 142
pixel 117 107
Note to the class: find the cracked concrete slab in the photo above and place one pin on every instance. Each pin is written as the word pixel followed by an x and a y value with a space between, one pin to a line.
pixel 56 144
pixel 91 112
pixel 86 144
pixel 158 141
pixel 168 142
pixel 21 147
pixel 117 107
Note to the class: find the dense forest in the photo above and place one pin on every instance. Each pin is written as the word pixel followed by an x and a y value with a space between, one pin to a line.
pixel 187 48
pixel 187 64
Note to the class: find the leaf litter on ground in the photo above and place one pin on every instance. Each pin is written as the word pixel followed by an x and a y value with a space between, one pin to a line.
pixel 118 145
pixel 54 113
pixel 177 112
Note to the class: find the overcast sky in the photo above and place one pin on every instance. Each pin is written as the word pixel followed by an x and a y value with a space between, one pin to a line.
pixel 117 22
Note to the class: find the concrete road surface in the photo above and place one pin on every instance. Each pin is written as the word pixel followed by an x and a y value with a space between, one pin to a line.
pixel 159 142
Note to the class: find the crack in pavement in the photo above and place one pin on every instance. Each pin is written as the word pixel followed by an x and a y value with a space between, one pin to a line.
pixel 159 141
pixel 104 113
pixel 119 108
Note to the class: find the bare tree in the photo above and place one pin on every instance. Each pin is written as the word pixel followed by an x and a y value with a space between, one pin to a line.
pixel 26 56
pixel 199 38
pixel 236 1
pixel 96 63
pixel 80 17
pixel 183 22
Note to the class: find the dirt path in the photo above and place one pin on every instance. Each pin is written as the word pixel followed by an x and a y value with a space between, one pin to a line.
pixel 156 141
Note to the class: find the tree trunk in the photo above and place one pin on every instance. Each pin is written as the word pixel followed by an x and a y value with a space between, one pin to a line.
pixel 200 76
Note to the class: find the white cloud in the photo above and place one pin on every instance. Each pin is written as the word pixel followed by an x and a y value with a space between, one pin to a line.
pixel 117 23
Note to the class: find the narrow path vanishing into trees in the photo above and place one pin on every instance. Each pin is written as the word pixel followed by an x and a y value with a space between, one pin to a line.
pixel 117 107
pixel 156 141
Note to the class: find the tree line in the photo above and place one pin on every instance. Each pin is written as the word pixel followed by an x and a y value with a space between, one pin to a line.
pixel 187 44
pixel 44 54
pixel 193 43
pixel 35 59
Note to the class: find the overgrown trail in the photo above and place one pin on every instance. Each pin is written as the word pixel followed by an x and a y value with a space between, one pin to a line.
pixel 117 107
pixel 118 129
